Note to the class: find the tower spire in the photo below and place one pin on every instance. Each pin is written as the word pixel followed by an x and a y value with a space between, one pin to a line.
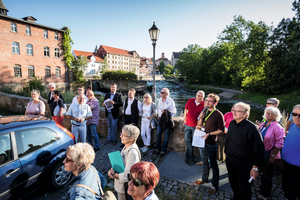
pixel 3 10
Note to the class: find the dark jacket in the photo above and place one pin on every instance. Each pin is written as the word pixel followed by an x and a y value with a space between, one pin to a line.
pixel 166 121
pixel 52 99
pixel 117 110
pixel 134 109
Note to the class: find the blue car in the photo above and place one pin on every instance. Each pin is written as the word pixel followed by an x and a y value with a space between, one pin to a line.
pixel 32 151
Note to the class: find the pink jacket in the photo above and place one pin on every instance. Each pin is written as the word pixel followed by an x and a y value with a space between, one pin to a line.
pixel 274 137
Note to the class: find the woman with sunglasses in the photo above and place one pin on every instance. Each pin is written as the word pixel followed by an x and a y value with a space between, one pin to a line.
pixel 143 178
pixel 87 181
pixel 273 137
pixel 148 112
pixel 130 155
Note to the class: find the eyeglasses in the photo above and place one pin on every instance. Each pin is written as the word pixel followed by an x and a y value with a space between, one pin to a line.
pixel 136 182
pixel 209 101
pixel 270 103
pixel 146 97
pixel 122 135
pixel 295 114
pixel 68 160
pixel 162 92
pixel 239 111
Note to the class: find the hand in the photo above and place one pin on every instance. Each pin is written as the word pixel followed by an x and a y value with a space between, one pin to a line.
pixel 103 104
pixel 59 115
pixel 77 119
pixel 162 112
pixel 198 127
pixel 148 117
pixel 202 115
pixel 254 174
pixel 205 136
pixel 92 108
pixel 82 120
pixel 112 102
pixel 184 121
pixel 272 159
pixel 111 173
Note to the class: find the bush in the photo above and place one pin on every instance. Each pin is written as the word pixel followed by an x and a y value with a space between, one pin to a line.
pixel 33 83
pixel 119 75
pixel 206 89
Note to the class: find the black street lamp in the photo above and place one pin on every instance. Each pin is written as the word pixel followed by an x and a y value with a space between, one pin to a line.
pixel 154 32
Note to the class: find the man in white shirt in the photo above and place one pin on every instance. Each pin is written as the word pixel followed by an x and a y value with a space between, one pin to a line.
pixel 80 91
pixel 79 112
pixel 164 103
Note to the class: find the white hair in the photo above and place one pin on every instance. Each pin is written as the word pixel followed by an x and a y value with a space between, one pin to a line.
pixel 52 85
pixel 275 111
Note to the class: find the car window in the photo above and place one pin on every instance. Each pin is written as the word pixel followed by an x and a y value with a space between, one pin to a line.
pixel 5 148
pixel 30 140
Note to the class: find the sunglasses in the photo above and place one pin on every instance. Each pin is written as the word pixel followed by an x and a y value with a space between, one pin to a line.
pixel 163 92
pixel 270 103
pixel 295 114
pixel 68 160
pixel 146 97
pixel 136 182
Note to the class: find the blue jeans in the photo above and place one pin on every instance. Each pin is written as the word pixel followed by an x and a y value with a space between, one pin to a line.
pixel 211 151
pixel 188 138
pixel 159 137
pixel 79 131
pixel 92 134
pixel 112 127
pixel 202 153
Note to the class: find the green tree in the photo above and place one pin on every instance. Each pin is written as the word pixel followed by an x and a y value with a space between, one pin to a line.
pixel 78 68
pixel 67 47
pixel 161 67
pixel 168 70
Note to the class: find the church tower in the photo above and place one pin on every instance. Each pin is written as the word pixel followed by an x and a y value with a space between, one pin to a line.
pixel 3 10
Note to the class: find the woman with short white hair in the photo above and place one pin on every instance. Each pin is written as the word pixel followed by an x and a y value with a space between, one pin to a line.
pixel 36 106
pixel 130 155
pixel 79 158
pixel 148 112
pixel 273 137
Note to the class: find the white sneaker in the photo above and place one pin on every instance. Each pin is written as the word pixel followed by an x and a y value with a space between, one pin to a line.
pixel 145 150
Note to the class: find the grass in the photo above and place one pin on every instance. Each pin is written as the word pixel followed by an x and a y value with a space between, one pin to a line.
pixel 287 101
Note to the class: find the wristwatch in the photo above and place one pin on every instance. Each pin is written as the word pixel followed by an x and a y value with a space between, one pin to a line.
pixel 255 169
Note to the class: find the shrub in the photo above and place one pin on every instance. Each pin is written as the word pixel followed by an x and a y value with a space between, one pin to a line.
pixel 33 83
pixel 119 75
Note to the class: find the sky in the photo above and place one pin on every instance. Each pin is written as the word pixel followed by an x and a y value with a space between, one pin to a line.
pixel 124 24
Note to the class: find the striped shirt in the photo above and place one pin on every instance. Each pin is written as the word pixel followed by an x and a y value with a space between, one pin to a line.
pixel 95 118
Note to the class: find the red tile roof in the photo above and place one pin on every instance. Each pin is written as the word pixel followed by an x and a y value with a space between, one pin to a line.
pixel 88 55
pixel 115 50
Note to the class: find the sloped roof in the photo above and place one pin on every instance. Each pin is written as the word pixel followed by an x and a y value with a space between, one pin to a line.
pixel 2 6
pixel 176 54
pixel 145 59
pixel 131 53
pixel 115 50
pixel 88 55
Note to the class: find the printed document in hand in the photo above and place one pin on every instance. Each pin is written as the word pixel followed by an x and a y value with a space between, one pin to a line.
pixel 108 105
pixel 198 141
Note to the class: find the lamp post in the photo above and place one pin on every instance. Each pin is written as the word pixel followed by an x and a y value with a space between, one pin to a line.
pixel 154 32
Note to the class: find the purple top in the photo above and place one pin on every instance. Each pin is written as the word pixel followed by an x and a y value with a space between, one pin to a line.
pixel 291 148
pixel 274 137
pixel 95 118
pixel 35 108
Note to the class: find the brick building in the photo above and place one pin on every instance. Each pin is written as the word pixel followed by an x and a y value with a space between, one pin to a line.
pixel 29 49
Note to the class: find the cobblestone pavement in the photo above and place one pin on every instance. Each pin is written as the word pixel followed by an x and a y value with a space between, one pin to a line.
pixel 167 188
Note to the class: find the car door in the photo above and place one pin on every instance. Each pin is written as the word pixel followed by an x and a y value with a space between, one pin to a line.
pixel 11 175
pixel 35 150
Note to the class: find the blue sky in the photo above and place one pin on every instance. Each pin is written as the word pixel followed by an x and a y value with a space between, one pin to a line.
pixel 124 24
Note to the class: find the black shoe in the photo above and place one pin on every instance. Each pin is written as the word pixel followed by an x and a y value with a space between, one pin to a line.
pixel 107 141
pixel 122 145
pixel 192 161
pixel 96 149
pixel 114 142
pixel 162 154
pixel 156 151
pixel 186 160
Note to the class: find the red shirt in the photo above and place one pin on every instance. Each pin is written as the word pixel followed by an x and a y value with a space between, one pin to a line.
pixel 193 112
pixel 228 117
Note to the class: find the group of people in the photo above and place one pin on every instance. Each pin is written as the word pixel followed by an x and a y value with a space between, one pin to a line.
pixel 250 149
pixel 133 109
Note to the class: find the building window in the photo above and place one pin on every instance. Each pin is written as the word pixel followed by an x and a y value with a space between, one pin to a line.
pixel 92 71
pixel 28 30
pixel 14 27
pixel 30 71
pixel 56 53
pixel 57 72
pixel 29 49
pixel 55 36
pixel 47 71
pixel 15 47
pixel 45 34
pixel 46 51
pixel 17 70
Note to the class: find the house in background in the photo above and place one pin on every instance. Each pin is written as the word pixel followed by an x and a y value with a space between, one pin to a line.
pixel 146 67
pixel 95 62
pixel 120 59
pixel 29 49
pixel 164 59
pixel 175 57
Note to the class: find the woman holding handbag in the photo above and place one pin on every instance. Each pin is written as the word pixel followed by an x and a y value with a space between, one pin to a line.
pixel 57 117
pixel 148 114
pixel 130 155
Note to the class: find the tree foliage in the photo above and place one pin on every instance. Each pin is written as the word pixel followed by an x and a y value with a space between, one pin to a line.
pixel 119 75
pixel 161 66
pixel 79 65
pixel 67 47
